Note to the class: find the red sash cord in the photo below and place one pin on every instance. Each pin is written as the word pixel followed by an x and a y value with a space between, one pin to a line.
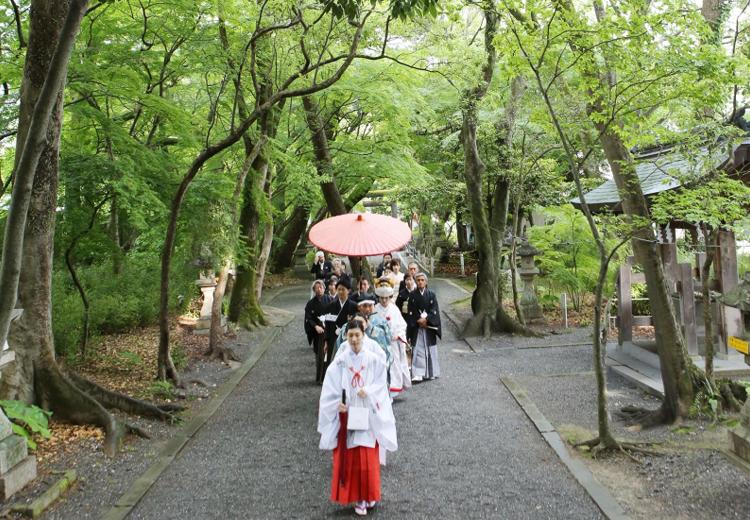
pixel 357 379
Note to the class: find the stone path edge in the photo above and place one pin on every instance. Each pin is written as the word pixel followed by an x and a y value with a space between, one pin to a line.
pixel 598 493
pixel 174 446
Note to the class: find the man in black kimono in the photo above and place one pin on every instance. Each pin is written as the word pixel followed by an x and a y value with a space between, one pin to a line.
pixel 315 328
pixel 321 268
pixel 363 290
pixel 423 330
pixel 386 264
pixel 339 312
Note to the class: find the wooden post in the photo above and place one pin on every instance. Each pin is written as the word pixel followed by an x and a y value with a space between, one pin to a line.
pixel 726 270
pixel 726 261
pixel 564 309
pixel 624 305
pixel 463 267
pixel 687 308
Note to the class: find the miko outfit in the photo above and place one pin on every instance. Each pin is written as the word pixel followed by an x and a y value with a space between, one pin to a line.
pixel 424 304
pixel 356 468
pixel 400 379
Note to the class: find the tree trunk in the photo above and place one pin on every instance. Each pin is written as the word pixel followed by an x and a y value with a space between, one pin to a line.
pixel 264 248
pixel 708 319
pixel 215 348
pixel 324 166
pixel 38 134
pixel 244 307
pixel 283 256
pixel 74 276
pixel 462 233
pixel 676 367
pixel 513 268
pixel 36 375
pixel 114 235
pixel 488 313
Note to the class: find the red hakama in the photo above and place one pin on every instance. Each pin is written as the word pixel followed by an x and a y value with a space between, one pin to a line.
pixel 361 475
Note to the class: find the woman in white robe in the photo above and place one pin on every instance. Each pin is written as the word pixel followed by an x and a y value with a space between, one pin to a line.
pixel 399 369
pixel 360 376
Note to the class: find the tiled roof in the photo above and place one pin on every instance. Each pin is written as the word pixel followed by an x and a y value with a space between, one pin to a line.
pixel 659 171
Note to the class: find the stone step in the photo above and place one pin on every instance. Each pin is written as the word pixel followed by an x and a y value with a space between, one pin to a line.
pixel 19 475
pixel 12 451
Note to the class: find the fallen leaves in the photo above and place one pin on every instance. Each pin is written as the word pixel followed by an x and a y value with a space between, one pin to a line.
pixel 67 438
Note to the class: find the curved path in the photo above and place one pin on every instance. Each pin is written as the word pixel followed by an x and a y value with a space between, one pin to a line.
pixel 466 449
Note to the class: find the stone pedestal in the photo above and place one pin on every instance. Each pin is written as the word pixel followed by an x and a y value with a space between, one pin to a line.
pixel 207 287
pixel 17 467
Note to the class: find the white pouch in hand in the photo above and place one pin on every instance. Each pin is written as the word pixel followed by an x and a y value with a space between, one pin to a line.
pixel 358 419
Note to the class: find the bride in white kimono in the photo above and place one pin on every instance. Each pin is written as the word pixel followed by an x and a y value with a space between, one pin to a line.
pixel 360 376
pixel 399 370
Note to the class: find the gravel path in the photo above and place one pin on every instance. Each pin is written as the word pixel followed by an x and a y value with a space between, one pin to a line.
pixel 466 448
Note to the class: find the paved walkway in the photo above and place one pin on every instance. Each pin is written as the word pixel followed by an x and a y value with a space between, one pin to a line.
pixel 466 448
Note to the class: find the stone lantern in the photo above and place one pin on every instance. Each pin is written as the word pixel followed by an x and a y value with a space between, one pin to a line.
pixel 207 284
pixel 532 311
pixel 739 298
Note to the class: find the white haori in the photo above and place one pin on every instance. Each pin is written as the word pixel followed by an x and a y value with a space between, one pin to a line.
pixel 351 372
pixel 424 361
pixel 399 369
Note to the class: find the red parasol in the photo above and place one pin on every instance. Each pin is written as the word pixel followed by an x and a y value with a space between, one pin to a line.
pixel 360 234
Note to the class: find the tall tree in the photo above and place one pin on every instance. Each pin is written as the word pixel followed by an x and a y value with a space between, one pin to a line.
pixel 36 376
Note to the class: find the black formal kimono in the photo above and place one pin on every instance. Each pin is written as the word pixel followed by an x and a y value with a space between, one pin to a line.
pixel 343 314
pixel 322 271
pixel 425 363
pixel 401 301
pixel 359 296
pixel 315 308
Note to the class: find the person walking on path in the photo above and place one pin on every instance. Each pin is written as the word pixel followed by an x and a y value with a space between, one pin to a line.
pixel 338 313
pixel 321 267
pixel 423 330
pixel 399 369
pixel 355 382
pixel 384 265
pixel 363 290
pixel 315 310
pixel 369 344
pixel 376 329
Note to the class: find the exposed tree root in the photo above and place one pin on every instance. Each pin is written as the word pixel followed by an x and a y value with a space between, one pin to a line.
pixel 599 447
pixel 69 403
pixel 733 395
pixel 74 399
pixel 117 401
pixel 498 321
pixel 225 354
pixel 643 417
pixel 135 430
pixel 166 371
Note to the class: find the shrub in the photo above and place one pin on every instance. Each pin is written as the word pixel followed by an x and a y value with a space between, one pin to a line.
pixel 116 302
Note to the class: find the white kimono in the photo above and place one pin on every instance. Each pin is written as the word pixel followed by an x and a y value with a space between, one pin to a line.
pixel 369 345
pixel 351 372
pixel 399 370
